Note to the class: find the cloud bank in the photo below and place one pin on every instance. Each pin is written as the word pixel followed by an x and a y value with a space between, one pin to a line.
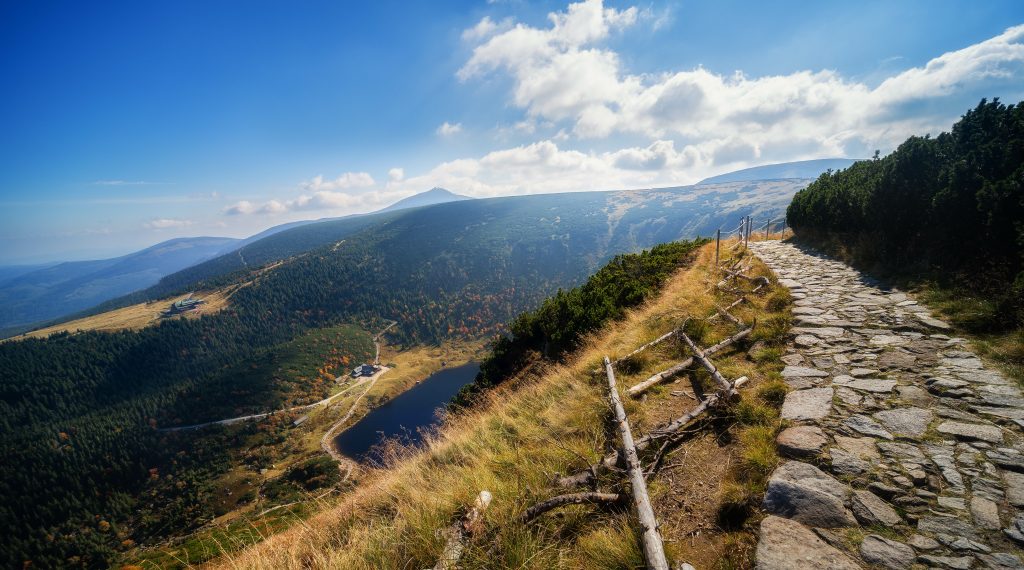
pixel 694 123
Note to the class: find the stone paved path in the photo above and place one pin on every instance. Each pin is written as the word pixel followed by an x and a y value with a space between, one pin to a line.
pixel 899 430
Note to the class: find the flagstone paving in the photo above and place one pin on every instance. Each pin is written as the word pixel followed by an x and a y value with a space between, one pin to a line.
pixel 923 443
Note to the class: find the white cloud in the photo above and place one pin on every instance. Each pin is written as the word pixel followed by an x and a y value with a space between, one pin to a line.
pixel 447 129
pixel 167 224
pixel 485 28
pixel 562 73
pixel 695 122
pixel 346 180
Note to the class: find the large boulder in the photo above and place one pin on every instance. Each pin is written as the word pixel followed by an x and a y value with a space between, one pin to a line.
pixel 788 545
pixel 804 493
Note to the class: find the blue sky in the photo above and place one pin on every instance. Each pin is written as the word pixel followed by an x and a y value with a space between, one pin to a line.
pixel 135 122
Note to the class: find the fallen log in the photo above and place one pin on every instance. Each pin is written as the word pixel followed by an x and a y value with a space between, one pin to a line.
pixel 654 550
pixel 654 342
pixel 664 375
pixel 672 429
pixel 592 498
pixel 460 531
pixel 702 357
pixel 725 313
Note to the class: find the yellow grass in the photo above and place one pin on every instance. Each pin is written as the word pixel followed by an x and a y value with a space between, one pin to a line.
pixel 138 316
pixel 520 438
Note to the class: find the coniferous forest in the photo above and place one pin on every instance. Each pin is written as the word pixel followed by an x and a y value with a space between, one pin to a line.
pixel 947 208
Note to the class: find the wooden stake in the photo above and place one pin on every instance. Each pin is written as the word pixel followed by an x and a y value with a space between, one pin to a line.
pixel 718 242
pixel 654 550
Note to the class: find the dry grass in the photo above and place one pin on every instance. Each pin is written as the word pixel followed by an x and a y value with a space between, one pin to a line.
pixel 136 317
pixel 523 435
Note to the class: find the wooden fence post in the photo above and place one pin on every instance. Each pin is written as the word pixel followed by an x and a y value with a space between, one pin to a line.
pixel 718 240
pixel 767 227
pixel 783 228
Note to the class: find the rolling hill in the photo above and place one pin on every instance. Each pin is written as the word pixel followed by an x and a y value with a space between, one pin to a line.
pixel 65 288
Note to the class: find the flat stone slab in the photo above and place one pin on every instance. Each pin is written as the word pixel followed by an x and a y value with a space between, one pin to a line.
pixel 866 426
pixel 872 510
pixel 788 545
pixel 806 494
pixel 820 332
pixel 881 551
pixel 911 422
pixel 801 442
pixel 980 432
pixel 794 371
pixel 889 340
pixel 810 404
pixel 872 385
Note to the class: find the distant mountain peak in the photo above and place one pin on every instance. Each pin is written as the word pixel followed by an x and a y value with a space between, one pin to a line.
pixel 804 169
pixel 435 195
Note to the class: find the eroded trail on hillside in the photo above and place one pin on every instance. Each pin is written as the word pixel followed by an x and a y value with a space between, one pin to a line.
pixel 922 439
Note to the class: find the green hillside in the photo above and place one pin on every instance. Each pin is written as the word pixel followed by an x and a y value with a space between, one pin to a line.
pixel 78 412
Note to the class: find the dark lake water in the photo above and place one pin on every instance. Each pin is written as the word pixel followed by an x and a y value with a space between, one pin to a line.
pixel 406 414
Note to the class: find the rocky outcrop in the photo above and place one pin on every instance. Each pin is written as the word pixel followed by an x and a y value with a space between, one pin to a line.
pixel 919 435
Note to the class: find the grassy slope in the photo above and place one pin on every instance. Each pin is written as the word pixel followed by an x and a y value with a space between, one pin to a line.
pixel 245 523
pixel 531 429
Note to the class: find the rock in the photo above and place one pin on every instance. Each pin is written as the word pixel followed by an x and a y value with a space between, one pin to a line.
pixel 985 513
pixel 866 426
pixel 806 340
pixel 1016 529
pixel 801 442
pixel 871 510
pixel 889 340
pixel 1001 561
pixel 806 494
pixel 845 463
pixel 820 332
pixel 981 432
pixel 922 542
pixel 933 322
pixel 872 385
pixel 1014 488
pixel 788 545
pixel 894 359
pixel 960 563
pixel 810 404
pixel 954 503
pixel 902 452
pixel 861 447
pixel 946 525
pixel 886 553
pixel 862 372
pixel 803 371
pixel 793 359
pixel 914 395
pixel 911 422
